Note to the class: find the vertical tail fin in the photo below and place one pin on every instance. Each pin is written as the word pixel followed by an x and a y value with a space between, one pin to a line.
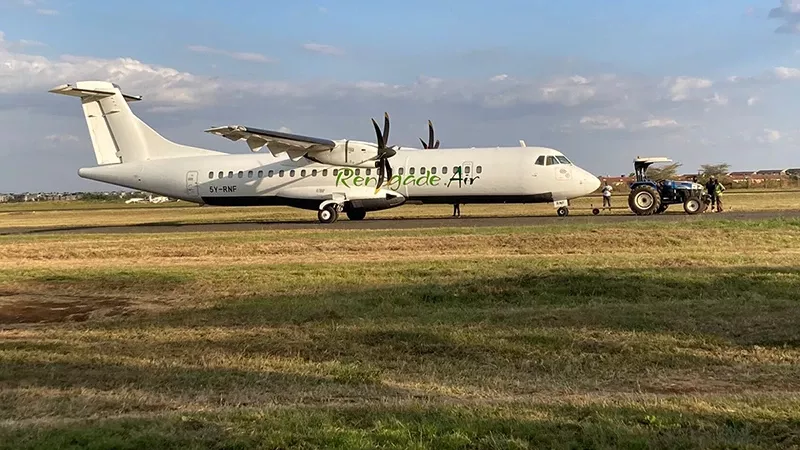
pixel 117 134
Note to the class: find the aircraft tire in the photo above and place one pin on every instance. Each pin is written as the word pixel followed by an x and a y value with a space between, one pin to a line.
pixel 328 214
pixel 563 211
pixel 356 214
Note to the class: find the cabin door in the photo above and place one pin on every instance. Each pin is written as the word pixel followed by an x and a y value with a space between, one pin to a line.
pixel 191 183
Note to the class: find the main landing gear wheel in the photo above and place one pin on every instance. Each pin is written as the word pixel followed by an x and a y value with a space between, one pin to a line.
pixel 328 214
pixel 356 214
pixel 563 211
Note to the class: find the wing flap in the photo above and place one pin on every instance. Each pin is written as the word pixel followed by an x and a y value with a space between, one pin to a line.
pixel 276 141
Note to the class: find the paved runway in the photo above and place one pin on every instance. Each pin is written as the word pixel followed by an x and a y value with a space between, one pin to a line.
pixel 386 224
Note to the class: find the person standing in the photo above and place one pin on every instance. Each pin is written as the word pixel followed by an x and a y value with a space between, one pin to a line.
pixel 711 187
pixel 718 190
pixel 456 210
pixel 607 195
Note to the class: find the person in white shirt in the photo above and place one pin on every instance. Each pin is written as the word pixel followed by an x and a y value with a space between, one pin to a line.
pixel 607 195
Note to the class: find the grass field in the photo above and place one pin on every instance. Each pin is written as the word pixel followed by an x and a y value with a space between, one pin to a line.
pixel 71 214
pixel 632 335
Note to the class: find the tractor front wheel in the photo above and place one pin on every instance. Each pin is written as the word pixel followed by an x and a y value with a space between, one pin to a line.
pixel 644 200
pixel 693 205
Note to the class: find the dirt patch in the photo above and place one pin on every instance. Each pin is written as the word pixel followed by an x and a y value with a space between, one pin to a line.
pixel 16 308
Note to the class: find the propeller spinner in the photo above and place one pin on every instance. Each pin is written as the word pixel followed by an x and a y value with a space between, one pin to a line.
pixel 384 152
pixel 430 143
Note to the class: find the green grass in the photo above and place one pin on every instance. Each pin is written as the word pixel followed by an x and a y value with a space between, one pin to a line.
pixel 663 336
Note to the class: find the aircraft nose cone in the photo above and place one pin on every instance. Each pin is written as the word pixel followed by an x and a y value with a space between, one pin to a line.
pixel 592 182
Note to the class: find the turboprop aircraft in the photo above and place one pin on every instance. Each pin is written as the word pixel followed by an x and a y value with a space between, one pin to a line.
pixel 313 173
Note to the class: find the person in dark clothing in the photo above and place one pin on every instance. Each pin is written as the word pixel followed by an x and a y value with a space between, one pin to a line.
pixel 711 187
pixel 456 210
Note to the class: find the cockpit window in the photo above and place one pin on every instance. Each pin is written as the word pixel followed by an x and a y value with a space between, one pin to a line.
pixel 540 160
pixel 563 159
pixel 551 161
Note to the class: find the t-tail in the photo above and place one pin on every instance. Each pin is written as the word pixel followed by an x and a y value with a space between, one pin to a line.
pixel 118 136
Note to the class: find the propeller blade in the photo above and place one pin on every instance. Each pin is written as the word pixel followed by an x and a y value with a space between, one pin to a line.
pixel 424 145
pixel 385 128
pixel 388 171
pixel 430 134
pixel 381 141
pixel 380 174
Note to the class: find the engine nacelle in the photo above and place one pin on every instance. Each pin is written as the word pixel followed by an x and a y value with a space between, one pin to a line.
pixel 349 154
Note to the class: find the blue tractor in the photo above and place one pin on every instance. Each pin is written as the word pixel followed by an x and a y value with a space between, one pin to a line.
pixel 650 197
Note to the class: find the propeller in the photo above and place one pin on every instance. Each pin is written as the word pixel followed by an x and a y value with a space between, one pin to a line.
pixel 430 143
pixel 384 152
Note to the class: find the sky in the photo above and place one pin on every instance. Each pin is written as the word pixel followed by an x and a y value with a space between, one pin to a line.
pixel 708 81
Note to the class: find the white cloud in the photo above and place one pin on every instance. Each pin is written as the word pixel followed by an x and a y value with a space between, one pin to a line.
pixel 61 138
pixel 602 123
pixel 285 130
pixel 786 73
pixel 500 77
pixel 323 48
pixel 682 88
pixel 241 56
pixel 660 123
pixel 769 136
pixel 717 99
pixel 39 7
pixel 752 101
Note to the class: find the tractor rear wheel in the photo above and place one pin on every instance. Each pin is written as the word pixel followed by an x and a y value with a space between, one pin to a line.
pixel 644 200
pixel 693 205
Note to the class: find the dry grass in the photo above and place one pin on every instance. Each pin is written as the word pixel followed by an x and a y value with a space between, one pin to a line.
pixel 570 336
pixel 55 214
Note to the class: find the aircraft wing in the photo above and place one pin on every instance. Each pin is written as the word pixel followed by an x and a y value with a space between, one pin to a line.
pixel 276 141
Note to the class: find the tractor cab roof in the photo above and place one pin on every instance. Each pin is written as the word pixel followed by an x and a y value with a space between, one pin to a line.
pixel 644 162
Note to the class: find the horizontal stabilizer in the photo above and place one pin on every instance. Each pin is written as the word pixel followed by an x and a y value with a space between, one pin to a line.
pixel 68 89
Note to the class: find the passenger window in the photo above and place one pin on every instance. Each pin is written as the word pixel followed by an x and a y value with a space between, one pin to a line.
pixel 433 170
pixel 422 171
pixel 478 169
pixel 314 172
pixel 369 172
pixel 466 169
pixel 551 161
pixel 270 173
pixel 444 169
pixel 324 172
pixel 456 169
pixel 210 175
pixel 335 172
pixel 411 171
pixel 401 171
pixel 230 174
pixel 358 171
pixel 540 160
pixel 291 173
pixel 280 173
pixel 249 174
pixel 260 174
pixel 240 174
pixel 303 173
pixel 221 174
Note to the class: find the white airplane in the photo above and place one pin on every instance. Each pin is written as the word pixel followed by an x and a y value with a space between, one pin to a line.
pixel 313 173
